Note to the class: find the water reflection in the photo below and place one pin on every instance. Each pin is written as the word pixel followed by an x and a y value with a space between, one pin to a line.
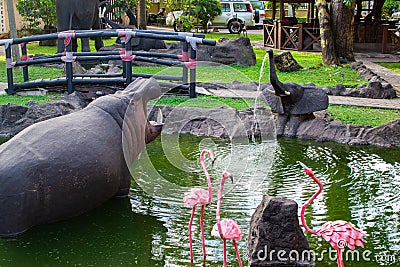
pixel 361 185
pixel 109 236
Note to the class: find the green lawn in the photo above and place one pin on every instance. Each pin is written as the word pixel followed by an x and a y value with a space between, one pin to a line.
pixel 394 66
pixel 314 71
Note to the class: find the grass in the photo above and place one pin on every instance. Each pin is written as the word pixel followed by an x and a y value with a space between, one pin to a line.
pixel 321 75
pixel 363 116
pixel 390 65
pixel 314 71
pixel 216 35
pixel 22 100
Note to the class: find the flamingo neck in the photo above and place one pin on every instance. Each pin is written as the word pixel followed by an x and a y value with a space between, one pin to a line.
pixel 203 164
pixel 303 208
pixel 219 203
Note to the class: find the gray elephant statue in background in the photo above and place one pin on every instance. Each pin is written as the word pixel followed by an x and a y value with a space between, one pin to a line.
pixel 292 101
pixel 78 15
pixel 65 166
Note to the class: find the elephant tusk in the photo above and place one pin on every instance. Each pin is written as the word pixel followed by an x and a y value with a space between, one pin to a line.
pixel 287 93
pixel 271 91
pixel 160 116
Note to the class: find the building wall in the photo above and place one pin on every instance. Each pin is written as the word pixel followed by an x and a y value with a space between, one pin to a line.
pixel 4 28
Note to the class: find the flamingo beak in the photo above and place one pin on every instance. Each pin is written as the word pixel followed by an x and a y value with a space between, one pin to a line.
pixel 230 176
pixel 302 165
pixel 306 169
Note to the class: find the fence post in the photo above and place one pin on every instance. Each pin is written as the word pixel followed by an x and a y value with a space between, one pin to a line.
pixel 24 58
pixel 385 37
pixel 10 78
pixel 68 69
pixel 123 45
pixel 128 47
pixel 300 33
pixel 192 86
pixel 185 49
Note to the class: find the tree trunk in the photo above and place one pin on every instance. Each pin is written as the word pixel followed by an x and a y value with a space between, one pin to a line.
pixel 142 15
pixel 13 29
pixel 343 31
pixel 376 10
pixel 327 44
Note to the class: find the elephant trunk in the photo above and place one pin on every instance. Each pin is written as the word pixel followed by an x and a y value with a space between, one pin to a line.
pixel 278 86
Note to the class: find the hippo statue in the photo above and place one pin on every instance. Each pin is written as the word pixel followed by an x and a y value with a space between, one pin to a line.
pixel 65 166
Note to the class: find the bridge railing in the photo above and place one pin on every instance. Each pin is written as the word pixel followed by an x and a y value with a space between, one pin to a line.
pixel 186 60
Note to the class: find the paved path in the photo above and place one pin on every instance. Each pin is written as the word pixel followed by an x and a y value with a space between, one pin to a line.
pixel 333 100
pixel 3 86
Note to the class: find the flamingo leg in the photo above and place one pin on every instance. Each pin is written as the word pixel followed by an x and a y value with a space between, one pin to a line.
pixel 237 253
pixel 190 233
pixel 224 252
pixel 203 241
pixel 339 258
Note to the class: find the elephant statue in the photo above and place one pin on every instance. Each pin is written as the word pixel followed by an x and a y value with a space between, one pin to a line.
pixel 292 101
pixel 78 15
pixel 66 166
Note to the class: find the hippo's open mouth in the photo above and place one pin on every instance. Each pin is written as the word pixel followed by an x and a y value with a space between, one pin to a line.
pixel 153 130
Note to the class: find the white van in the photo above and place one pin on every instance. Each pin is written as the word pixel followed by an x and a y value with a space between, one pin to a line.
pixel 235 10
pixel 259 12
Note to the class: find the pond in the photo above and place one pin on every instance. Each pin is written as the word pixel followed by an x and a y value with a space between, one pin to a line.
pixel 361 185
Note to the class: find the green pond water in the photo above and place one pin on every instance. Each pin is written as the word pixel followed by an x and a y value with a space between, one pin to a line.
pixel 361 185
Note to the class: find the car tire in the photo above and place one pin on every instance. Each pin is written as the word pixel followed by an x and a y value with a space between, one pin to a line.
pixel 235 27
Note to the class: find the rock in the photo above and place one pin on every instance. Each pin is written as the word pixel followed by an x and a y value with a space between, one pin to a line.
pixel 339 88
pixel 221 122
pixel 325 129
pixel 31 103
pixel 237 51
pixel 285 62
pixel 274 227
pixel 384 135
pixel 14 118
pixel 376 90
pixel 77 68
pixel 96 70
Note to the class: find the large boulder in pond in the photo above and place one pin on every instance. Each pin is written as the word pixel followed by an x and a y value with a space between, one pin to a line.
pixel 275 237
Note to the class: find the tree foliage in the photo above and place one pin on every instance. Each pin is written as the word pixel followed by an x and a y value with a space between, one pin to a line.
pixel 206 10
pixel 35 11
pixel 390 7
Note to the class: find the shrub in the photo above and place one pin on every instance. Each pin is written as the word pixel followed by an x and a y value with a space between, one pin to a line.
pixel 35 11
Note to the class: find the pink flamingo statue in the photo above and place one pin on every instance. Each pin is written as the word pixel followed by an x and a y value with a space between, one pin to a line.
pixel 226 229
pixel 338 233
pixel 200 196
